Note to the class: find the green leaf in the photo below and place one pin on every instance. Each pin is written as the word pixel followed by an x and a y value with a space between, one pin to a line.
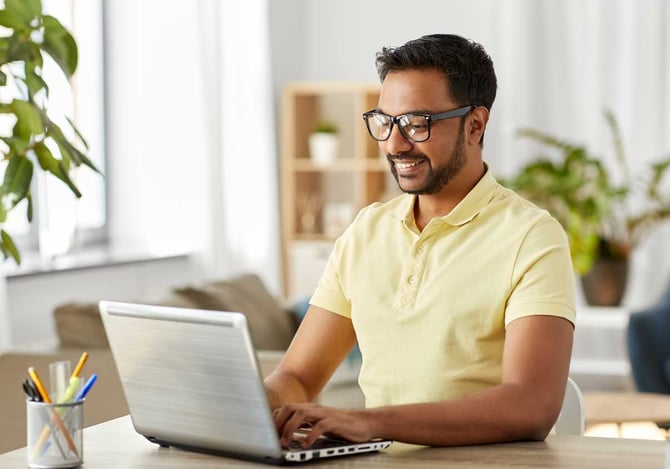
pixel 28 120
pixel 658 170
pixel 27 10
pixel 13 20
pixel 18 175
pixel 76 131
pixel 17 146
pixel 9 247
pixel 20 50
pixel 35 82
pixel 29 207
pixel 68 151
pixel 60 45
pixel 78 157
pixel 4 47
pixel 55 166
pixel 618 144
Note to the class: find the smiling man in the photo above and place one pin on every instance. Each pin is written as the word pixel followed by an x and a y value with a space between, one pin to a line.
pixel 459 293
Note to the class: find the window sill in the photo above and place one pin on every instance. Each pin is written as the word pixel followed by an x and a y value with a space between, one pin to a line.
pixel 85 258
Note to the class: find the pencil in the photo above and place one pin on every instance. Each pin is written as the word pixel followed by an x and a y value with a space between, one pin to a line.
pixel 80 365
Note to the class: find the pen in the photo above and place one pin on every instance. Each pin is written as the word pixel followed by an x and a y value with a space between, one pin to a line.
pixel 54 415
pixel 87 387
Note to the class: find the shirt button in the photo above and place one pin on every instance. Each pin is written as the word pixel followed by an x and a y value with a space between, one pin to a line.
pixel 411 279
pixel 420 249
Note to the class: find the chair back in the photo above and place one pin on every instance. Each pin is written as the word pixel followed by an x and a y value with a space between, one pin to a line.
pixel 649 348
pixel 571 419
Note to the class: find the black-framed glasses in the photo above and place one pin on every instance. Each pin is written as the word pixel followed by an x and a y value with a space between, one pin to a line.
pixel 415 127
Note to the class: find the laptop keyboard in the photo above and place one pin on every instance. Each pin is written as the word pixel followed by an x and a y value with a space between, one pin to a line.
pixel 321 443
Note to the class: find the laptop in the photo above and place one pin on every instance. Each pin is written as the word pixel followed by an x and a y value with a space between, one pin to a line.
pixel 191 380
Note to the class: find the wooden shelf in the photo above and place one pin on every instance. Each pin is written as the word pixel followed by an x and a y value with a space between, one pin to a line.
pixel 319 201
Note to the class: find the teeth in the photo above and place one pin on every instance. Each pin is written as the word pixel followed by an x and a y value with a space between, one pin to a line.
pixel 406 165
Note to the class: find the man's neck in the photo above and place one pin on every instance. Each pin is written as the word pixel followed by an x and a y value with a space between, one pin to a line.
pixel 427 207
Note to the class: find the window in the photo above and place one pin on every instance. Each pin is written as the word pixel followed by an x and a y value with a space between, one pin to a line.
pixel 60 220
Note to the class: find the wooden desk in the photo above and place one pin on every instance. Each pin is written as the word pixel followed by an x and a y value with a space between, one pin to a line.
pixel 115 444
pixel 623 407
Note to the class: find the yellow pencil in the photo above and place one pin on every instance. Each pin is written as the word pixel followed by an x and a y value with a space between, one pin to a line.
pixel 54 415
pixel 80 365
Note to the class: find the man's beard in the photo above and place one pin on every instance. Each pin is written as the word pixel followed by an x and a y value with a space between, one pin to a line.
pixel 440 176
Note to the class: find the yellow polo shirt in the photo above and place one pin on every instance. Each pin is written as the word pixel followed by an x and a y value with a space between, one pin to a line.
pixel 430 308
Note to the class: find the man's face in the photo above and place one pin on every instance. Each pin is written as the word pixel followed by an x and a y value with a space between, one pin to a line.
pixel 425 167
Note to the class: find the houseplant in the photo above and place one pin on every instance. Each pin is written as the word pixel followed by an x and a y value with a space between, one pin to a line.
pixel 28 37
pixel 324 143
pixel 602 225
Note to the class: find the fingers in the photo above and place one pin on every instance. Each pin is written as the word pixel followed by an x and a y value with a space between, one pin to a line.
pixel 321 427
pixel 317 420
pixel 303 417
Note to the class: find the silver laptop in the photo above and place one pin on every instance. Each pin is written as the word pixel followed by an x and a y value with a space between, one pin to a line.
pixel 192 380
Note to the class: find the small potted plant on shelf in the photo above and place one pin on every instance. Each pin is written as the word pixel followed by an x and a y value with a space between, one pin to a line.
pixel 596 213
pixel 324 143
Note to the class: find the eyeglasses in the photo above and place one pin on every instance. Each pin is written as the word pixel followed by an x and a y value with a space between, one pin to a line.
pixel 415 127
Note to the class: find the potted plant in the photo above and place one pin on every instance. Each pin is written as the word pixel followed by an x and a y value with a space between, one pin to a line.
pixel 596 212
pixel 324 143
pixel 29 36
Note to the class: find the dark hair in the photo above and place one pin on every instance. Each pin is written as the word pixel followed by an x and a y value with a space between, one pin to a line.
pixel 467 66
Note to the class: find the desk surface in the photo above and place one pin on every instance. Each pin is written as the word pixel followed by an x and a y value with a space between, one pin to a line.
pixel 115 444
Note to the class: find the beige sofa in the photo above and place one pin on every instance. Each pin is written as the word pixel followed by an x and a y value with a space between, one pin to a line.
pixel 79 329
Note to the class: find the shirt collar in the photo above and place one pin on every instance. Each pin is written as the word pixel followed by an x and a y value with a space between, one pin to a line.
pixel 466 210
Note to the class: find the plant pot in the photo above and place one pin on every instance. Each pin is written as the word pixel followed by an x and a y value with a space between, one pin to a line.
pixel 605 283
pixel 323 148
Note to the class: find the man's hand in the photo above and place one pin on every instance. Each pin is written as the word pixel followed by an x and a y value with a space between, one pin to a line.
pixel 352 425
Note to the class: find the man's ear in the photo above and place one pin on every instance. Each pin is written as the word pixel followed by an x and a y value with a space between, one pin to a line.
pixel 479 117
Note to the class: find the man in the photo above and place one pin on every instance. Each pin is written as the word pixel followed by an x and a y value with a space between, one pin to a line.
pixel 459 293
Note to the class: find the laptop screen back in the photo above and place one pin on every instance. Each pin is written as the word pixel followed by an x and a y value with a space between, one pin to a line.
pixel 191 378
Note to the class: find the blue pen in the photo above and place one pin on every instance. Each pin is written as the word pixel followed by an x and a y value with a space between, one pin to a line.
pixel 87 387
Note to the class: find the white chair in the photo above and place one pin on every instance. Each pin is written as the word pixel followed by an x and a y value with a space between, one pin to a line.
pixel 571 419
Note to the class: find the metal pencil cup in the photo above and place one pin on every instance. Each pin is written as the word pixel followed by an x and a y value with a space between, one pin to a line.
pixel 55 434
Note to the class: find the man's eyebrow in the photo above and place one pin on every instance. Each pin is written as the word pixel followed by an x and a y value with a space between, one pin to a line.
pixel 413 111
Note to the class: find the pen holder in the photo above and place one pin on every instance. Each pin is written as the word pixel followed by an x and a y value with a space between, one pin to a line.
pixel 55 434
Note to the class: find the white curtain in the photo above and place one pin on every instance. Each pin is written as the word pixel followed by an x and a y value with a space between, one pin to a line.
pixel 240 139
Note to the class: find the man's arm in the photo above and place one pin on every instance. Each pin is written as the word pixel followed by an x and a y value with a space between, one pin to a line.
pixel 526 405
pixel 323 340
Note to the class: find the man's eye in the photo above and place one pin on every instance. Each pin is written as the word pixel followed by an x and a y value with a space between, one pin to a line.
pixel 416 129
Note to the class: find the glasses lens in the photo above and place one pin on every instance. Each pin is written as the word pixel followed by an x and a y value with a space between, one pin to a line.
pixel 379 125
pixel 415 128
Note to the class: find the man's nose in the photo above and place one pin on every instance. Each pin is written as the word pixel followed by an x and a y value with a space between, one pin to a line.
pixel 396 143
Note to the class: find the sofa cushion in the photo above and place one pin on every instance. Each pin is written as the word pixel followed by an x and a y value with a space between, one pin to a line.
pixel 271 326
pixel 80 325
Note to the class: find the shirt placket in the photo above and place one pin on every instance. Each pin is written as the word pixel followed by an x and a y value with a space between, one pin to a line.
pixel 413 271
